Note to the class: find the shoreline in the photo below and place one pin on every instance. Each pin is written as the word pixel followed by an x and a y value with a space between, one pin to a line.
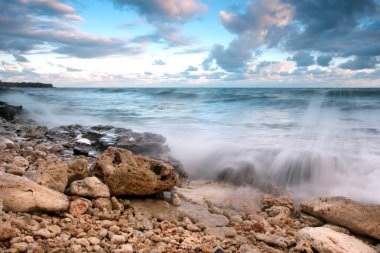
pixel 196 216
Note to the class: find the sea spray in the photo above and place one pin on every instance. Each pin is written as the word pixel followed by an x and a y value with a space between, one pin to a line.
pixel 309 141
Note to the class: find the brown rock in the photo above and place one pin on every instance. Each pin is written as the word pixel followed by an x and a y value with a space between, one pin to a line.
pixel 104 204
pixel 52 173
pixel 90 187
pixel 325 240
pixel 79 206
pixel 129 174
pixel 6 230
pixel 77 170
pixel 360 218
pixel 20 194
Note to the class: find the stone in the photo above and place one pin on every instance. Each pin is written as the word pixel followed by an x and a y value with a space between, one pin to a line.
pixel 6 143
pixel 94 240
pixel 175 200
pixel 77 170
pixel 193 228
pixel 20 194
pixel 79 206
pixel 129 174
pixel 117 239
pixel 359 218
pixel 337 229
pixel 8 112
pixel 325 240
pixel 44 233
pixel 90 187
pixel 310 220
pixel 20 246
pixel 52 173
pixel 126 248
pixel 6 230
pixel 104 204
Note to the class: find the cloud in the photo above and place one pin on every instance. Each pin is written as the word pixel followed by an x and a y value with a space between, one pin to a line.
pixel 164 10
pixel 251 28
pixel 328 28
pixel 191 68
pixel 159 62
pixel 46 25
pixel 166 34
pixel 303 59
pixel 324 60
pixel 361 62
pixel 20 58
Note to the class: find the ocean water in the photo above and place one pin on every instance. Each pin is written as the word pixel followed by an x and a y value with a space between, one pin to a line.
pixel 313 141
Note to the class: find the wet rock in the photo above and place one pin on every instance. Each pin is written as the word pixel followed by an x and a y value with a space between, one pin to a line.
pixel 359 218
pixel 90 187
pixel 325 240
pixel 8 112
pixel 128 174
pixel 20 194
pixel 79 206
pixel 77 170
pixel 52 173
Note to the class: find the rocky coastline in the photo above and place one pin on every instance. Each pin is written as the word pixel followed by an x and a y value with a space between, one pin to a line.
pixel 6 85
pixel 105 189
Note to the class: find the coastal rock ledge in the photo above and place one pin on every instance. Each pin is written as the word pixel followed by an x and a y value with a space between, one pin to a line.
pixel 128 174
pixel 20 194
pixel 326 240
pixel 359 218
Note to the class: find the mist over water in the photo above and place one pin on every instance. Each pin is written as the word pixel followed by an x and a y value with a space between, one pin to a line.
pixel 311 141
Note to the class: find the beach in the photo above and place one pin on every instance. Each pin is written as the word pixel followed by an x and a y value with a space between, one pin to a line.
pixel 92 203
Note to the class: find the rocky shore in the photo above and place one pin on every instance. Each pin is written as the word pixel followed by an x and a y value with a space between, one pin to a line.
pixel 105 189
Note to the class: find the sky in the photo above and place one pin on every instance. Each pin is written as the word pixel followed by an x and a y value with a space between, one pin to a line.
pixel 186 43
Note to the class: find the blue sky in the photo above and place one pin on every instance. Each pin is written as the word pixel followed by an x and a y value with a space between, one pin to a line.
pixel 191 42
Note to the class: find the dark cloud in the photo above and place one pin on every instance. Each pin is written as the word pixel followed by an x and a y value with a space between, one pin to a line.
pixel 164 10
pixel 303 59
pixel 324 60
pixel 331 28
pixel 29 25
pixel 360 62
pixel 20 58
pixel 344 28
pixel 159 62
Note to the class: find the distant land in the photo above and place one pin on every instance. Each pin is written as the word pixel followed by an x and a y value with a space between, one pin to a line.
pixel 25 85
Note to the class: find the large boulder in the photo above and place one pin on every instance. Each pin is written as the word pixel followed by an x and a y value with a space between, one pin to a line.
pixel 90 187
pixel 129 174
pixel 20 194
pixel 52 173
pixel 325 240
pixel 359 218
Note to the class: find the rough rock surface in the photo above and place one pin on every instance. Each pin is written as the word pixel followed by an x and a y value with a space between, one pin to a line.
pixel 20 194
pixel 52 173
pixel 77 170
pixel 325 240
pixel 90 187
pixel 359 218
pixel 8 112
pixel 129 174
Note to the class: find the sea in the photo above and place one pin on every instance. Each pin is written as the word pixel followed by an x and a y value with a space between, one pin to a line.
pixel 313 141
